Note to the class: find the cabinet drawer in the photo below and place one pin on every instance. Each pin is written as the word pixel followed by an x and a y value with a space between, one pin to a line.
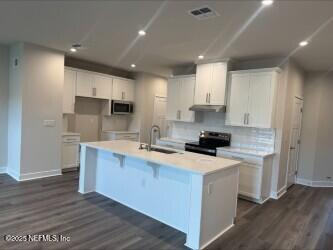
pixel 68 139
pixel 241 157
pixel 126 136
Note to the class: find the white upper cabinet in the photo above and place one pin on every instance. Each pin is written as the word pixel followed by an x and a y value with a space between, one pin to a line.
pixel 69 92
pixel 252 98
pixel 93 85
pixel 180 98
pixel 123 89
pixel 102 87
pixel 84 84
pixel 211 79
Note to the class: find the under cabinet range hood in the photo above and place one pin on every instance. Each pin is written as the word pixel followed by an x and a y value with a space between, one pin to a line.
pixel 208 108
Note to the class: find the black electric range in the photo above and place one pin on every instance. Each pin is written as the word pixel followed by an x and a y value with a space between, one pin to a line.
pixel 208 142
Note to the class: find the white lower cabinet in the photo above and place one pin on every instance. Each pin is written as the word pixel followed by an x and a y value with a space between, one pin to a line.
pixel 70 151
pixel 255 175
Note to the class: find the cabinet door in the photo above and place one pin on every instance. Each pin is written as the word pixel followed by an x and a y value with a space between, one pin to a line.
pixel 173 99
pixel 70 155
pixel 123 89
pixel 129 90
pixel 69 92
pixel 250 180
pixel 218 84
pixel 203 84
pixel 238 99
pixel 186 98
pixel 84 84
pixel 102 87
pixel 260 100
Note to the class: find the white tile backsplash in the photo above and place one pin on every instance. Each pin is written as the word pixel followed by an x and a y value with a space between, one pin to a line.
pixel 250 138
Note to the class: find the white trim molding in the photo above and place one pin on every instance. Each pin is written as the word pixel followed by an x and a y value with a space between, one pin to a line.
pixel 32 176
pixel 277 195
pixel 3 170
pixel 311 183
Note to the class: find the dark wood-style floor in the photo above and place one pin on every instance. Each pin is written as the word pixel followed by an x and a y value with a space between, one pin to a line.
pixel 302 219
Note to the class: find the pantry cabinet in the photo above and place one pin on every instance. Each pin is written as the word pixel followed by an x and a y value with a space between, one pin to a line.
pixel 68 101
pixel 252 98
pixel 211 79
pixel 180 98
pixel 123 89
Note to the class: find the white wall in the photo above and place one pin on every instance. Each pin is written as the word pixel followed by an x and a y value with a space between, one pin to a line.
pixel 291 85
pixel 4 91
pixel 315 164
pixel 147 86
pixel 36 95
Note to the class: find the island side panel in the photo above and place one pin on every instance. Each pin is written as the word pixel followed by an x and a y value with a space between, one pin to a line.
pixel 158 191
pixel 88 164
pixel 213 206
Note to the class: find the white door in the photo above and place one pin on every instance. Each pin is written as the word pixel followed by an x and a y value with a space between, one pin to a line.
pixel 218 84
pixel 238 99
pixel 69 92
pixel 260 104
pixel 122 89
pixel 84 84
pixel 102 85
pixel 159 118
pixel 186 98
pixel 203 83
pixel 294 140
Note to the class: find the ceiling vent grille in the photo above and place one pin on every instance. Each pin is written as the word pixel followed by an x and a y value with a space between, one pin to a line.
pixel 203 12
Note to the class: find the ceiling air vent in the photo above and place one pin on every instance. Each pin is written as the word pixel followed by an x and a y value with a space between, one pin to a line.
pixel 204 12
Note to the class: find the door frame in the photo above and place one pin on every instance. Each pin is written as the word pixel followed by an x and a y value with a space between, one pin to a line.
pixel 290 141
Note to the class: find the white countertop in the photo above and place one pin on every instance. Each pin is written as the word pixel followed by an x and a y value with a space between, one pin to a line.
pixel 70 134
pixel 120 131
pixel 245 151
pixel 192 162
pixel 175 140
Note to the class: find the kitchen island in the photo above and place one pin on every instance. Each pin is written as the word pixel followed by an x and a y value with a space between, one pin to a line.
pixel 193 193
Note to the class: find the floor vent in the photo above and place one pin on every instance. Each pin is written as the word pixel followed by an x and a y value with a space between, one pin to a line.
pixel 203 12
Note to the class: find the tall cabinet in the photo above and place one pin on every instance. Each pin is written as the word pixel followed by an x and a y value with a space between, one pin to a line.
pixel 180 98
pixel 68 102
pixel 252 98
pixel 211 80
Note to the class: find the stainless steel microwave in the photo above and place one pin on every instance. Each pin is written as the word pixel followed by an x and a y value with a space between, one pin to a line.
pixel 121 107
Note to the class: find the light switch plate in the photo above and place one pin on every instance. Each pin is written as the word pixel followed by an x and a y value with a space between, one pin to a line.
pixel 49 123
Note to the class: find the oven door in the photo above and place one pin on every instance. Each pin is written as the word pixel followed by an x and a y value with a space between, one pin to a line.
pixel 200 150
pixel 121 108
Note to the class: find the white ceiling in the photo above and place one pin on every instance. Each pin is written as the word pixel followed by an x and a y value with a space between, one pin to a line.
pixel 108 31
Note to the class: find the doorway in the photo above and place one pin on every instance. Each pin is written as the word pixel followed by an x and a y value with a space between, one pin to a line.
pixel 159 116
pixel 295 135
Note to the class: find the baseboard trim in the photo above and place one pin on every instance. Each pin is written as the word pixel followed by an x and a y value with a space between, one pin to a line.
pixel 13 174
pixel 3 170
pixel 310 183
pixel 38 175
pixel 277 195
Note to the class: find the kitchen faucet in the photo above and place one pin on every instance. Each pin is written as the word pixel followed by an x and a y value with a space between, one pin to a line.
pixel 153 129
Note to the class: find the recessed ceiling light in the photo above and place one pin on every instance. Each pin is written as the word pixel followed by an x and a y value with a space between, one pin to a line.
pixel 267 2
pixel 133 65
pixel 303 43
pixel 73 49
pixel 142 33
pixel 201 57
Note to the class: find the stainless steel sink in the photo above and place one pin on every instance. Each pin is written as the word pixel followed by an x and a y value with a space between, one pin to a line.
pixel 163 150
